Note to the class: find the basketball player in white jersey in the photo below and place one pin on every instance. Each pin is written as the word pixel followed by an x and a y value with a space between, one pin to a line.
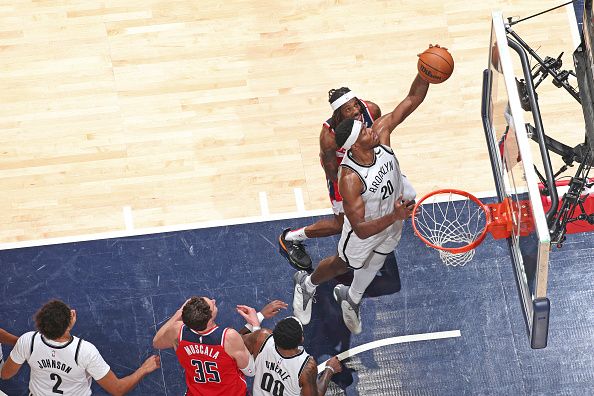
pixel 282 366
pixel 6 338
pixel 64 364
pixel 372 188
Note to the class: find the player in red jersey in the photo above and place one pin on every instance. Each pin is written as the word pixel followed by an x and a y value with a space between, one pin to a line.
pixel 214 358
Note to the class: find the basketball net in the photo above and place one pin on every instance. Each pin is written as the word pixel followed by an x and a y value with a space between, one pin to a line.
pixel 456 222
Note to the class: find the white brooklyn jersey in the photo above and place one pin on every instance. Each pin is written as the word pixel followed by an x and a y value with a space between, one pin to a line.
pixel 55 370
pixel 382 182
pixel 275 374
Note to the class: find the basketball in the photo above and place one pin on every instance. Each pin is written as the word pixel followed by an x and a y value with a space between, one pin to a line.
pixel 435 65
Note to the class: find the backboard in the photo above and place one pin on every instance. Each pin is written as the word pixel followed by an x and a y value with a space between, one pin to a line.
pixel 515 179
pixel 584 60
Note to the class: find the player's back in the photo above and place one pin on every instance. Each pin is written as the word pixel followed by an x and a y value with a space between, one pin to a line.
pixel 277 374
pixel 209 370
pixel 55 367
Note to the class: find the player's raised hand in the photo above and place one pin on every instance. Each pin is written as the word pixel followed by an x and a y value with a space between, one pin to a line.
pixel 249 314
pixel 273 308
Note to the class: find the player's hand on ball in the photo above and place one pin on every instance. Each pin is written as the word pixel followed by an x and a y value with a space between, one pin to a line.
pixel 273 308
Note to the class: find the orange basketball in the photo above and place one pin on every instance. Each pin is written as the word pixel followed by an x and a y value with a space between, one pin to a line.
pixel 435 65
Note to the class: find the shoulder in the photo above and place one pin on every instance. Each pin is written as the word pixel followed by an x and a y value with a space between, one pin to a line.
pixel 374 109
pixel 231 338
pixel 26 338
pixel 86 351
pixel 309 371
pixel 327 141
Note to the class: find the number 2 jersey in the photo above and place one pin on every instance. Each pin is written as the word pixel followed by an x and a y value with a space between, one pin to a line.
pixel 209 370
pixel 277 375
pixel 65 368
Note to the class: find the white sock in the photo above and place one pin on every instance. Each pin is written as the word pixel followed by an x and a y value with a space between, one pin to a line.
pixel 363 277
pixel 309 286
pixel 296 235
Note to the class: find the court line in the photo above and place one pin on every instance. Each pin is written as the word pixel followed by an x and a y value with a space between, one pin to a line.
pixel 391 341
pixel 573 25
pixel 264 204
pixel 181 227
pixel 299 199
pixel 128 219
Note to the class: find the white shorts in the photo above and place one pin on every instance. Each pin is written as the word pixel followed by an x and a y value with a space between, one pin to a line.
pixel 355 251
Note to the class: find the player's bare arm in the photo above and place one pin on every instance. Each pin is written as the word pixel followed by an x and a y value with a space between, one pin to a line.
pixel 310 383
pixel 166 337
pixel 307 379
pixel 235 347
pixel 354 207
pixel 7 338
pixel 416 95
pixel 328 154
pixel 120 386
pixel 9 369
pixel 253 341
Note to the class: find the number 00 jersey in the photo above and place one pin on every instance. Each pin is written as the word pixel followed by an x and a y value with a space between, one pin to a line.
pixel 277 375
pixel 210 371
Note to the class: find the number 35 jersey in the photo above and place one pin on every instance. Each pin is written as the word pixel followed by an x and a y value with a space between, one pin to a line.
pixel 209 370
pixel 277 375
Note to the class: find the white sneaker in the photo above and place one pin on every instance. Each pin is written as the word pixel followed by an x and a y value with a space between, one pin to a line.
pixel 302 299
pixel 350 310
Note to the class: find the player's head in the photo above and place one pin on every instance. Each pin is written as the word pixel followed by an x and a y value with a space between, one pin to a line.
pixel 198 311
pixel 54 318
pixel 351 132
pixel 288 333
pixel 344 105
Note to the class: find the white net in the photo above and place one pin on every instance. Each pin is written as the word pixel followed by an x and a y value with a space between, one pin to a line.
pixel 450 220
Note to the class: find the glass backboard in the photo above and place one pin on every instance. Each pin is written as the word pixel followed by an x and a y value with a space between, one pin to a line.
pixel 515 180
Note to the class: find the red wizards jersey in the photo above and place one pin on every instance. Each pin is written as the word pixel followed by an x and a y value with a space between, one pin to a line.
pixel 209 370
pixel 333 185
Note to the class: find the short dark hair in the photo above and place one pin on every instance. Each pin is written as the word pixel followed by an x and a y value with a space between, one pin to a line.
pixel 343 131
pixel 52 320
pixel 196 313
pixel 288 333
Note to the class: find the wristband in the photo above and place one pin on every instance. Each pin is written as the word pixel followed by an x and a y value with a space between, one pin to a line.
pixel 331 369
pixel 254 328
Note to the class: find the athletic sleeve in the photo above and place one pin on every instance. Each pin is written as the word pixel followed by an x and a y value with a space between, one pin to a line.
pixel 91 360
pixel 22 349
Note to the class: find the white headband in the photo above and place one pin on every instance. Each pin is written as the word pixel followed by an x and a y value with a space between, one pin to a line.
pixel 342 100
pixel 357 126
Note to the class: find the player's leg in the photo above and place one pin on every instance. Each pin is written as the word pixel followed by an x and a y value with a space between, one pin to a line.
pixel 349 298
pixel 290 242
pixel 305 285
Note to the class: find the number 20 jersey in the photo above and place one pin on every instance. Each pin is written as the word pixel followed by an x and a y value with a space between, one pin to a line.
pixel 209 370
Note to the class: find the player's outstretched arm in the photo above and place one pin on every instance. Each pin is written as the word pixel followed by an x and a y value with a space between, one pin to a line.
pixel 166 337
pixel 120 386
pixel 235 348
pixel 388 122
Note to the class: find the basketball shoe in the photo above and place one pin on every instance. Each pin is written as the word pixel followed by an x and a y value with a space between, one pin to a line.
pixel 350 310
pixel 302 299
pixel 294 252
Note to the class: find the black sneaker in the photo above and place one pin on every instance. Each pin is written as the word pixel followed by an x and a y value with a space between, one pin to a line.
pixel 294 252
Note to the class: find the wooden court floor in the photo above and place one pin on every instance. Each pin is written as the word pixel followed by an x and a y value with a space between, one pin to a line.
pixel 152 113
